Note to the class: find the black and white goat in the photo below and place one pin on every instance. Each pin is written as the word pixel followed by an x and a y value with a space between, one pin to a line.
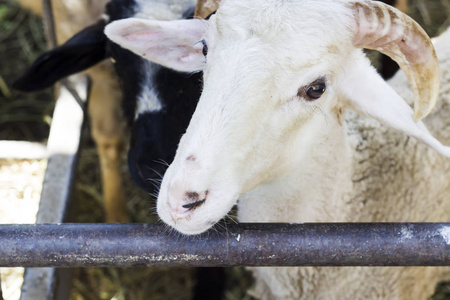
pixel 157 102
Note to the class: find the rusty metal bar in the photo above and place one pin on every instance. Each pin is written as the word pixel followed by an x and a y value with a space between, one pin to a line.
pixel 131 245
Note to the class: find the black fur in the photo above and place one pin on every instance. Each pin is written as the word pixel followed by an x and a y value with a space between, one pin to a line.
pixel 130 69
pixel 82 51
pixel 390 2
pixel 129 66
pixel 155 135
pixel 121 9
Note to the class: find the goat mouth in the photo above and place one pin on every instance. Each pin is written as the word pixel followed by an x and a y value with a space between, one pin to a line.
pixel 194 205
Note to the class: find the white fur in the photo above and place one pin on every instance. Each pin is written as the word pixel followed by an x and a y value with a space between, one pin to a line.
pixel 158 40
pixel 391 178
pixel 147 100
pixel 163 10
pixel 253 140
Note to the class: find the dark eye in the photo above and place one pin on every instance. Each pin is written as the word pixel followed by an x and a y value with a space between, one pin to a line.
pixel 205 47
pixel 315 90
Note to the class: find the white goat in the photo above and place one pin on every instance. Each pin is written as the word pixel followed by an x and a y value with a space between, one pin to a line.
pixel 271 130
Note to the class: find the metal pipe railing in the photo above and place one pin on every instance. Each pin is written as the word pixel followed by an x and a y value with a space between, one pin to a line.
pixel 129 245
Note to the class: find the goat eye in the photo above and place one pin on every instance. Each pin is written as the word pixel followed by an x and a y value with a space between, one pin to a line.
pixel 315 91
pixel 205 47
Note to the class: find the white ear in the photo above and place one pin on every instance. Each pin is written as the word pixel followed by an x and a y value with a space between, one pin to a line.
pixel 173 44
pixel 368 94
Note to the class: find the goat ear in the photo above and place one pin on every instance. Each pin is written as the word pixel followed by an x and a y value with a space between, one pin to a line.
pixel 82 51
pixel 173 44
pixel 368 94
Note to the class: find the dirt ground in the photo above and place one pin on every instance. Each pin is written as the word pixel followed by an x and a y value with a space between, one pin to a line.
pixel 28 116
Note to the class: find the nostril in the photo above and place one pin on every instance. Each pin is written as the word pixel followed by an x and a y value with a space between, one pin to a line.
pixel 194 196
pixel 194 205
pixel 191 158
pixel 195 199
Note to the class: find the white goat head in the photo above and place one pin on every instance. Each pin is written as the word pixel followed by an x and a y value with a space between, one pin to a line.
pixel 276 74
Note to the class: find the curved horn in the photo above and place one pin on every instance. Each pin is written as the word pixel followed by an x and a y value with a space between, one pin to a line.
pixel 206 7
pixel 388 30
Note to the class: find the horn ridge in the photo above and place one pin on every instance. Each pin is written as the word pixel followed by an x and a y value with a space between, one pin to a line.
pixel 386 29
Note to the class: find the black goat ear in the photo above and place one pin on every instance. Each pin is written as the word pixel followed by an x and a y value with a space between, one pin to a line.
pixel 83 50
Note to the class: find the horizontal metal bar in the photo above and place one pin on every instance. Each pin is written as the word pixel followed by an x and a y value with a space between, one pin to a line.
pixel 130 245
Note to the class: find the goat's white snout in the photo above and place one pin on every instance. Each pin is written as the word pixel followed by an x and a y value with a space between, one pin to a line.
pixel 189 200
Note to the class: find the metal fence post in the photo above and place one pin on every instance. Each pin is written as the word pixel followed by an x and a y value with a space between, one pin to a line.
pixel 63 146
